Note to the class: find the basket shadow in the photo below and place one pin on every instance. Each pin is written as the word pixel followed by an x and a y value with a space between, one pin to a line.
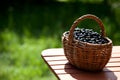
pixel 78 74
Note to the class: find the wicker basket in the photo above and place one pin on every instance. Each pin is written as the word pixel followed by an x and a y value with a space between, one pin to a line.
pixel 83 55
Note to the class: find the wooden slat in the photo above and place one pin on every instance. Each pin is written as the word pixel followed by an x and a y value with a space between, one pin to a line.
pixel 114 55
pixel 113 60
pixel 53 52
pixel 64 71
pixel 113 64
pixel 57 62
pixel 56 58
pixel 108 76
pixel 67 66
pixel 116 49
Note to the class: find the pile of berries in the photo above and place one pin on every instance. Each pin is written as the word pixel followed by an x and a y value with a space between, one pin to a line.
pixel 88 35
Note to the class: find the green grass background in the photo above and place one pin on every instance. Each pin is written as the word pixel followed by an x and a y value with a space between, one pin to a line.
pixel 27 28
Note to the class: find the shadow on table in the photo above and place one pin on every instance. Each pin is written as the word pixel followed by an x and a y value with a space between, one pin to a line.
pixel 82 75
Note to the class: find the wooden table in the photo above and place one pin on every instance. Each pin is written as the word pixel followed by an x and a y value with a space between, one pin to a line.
pixel 59 65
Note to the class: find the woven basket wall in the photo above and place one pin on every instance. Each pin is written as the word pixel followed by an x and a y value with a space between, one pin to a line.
pixel 83 55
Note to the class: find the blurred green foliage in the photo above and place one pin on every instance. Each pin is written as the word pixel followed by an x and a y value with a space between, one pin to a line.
pixel 28 27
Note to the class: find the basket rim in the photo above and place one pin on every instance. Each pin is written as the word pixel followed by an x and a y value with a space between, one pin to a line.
pixel 87 43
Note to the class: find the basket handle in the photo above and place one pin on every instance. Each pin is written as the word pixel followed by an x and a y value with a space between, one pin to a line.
pixel 77 21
